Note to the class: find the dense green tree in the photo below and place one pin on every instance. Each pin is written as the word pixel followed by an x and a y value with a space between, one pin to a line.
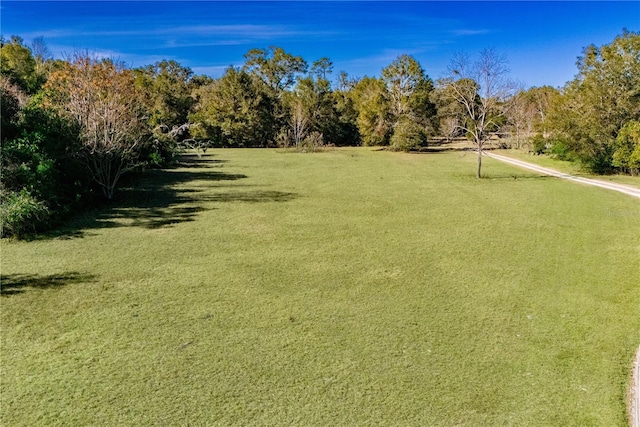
pixel 603 97
pixel 41 159
pixel 371 101
pixel 167 90
pixel 347 126
pixel 20 210
pixel 18 64
pixel 330 112
pixel 408 87
pixel 276 67
pixel 166 86
pixel 237 109
pixel 12 100
pixel 626 154
pixel 41 178
pixel 278 71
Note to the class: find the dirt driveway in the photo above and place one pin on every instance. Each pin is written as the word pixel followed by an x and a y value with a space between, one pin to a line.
pixel 626 189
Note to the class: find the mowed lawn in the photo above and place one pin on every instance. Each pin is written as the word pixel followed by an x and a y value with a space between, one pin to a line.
pixel 351 287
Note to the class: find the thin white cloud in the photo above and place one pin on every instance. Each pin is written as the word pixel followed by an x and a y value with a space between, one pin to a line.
pixel 174 44
pixel 244 30
pixel 469 32
pixel 49 34
pixel 247 30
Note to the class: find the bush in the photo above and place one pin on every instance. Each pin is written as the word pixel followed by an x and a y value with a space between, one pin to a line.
pixel 539 144
pixel 561 151
pixel 160 151
pixel 21 213
pixel 42 180
pixel 407 135
pixel 312 142
pixel 26 166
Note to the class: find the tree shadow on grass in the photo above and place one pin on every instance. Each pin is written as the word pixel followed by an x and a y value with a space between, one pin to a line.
pixel 163 198
pixel 257 196
pixel 516 176
pixel 502 177
pixel 193 161
pixel 441 149
pixel 17 283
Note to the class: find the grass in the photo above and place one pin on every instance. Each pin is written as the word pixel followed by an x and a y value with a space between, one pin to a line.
pixel 350 287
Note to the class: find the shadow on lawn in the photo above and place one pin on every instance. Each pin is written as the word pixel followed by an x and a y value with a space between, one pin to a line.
pixel 516 176
pixel 17 283
pixel 440 149
pixel 193 161
pixel 158 198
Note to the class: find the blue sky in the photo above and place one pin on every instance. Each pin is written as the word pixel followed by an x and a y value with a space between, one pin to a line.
pixel 541 40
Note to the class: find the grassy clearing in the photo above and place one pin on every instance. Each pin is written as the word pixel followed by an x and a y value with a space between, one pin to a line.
pixel 572 168
pixel 348 287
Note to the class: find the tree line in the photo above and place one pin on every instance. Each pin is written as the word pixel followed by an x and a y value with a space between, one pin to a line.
pixel 71 128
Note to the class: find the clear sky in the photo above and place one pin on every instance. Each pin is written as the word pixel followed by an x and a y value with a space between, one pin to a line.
pixel 541 40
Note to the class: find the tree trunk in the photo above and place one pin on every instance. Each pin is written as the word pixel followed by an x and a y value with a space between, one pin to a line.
pixel 478 174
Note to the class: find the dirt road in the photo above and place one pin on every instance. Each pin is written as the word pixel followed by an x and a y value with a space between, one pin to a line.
pixel 626 189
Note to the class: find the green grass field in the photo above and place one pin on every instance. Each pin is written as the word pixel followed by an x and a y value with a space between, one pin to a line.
pixel 345 288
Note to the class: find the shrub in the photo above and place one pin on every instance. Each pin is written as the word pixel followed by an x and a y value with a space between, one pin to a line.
pixel 160 151
pixel 312 142
pixel 39 168
pixel 26 166
pixel 561 151
pixel 21 213
pixel 539 144
pixel 407 135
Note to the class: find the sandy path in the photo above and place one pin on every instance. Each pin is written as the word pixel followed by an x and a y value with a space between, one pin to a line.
pixel 626 189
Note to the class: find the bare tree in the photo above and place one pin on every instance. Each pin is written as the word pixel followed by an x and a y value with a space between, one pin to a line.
pixel 299 122
pixel 41 53
pixel 101 98
pixel 543 98
pixel 449 128
pixel 528 112
pixel 521 116
pixel 482 89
